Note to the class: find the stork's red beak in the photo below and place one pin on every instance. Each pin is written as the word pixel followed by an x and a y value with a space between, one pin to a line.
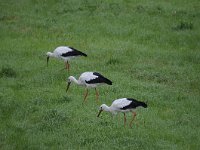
pixel 99 112
pixel 68 86
pixel 47 60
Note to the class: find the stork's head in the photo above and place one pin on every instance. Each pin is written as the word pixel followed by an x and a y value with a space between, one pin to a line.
pixel 103 107
pixel 49 54
pixel 69 81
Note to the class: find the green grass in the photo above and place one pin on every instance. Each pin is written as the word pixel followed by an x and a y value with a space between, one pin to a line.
pixel 149 49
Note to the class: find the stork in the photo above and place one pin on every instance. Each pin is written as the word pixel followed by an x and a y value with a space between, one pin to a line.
pixel 89 80
pixel 123 105
pixel 65 53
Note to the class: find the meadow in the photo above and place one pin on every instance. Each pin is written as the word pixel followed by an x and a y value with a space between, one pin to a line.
pixel 149 49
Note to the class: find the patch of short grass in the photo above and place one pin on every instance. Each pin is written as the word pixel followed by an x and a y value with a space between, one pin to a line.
pixel 8 72
pixel 149 49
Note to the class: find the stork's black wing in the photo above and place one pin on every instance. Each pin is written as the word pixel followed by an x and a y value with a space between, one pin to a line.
pixel 99 79
pixel 135 103
pixel 74 52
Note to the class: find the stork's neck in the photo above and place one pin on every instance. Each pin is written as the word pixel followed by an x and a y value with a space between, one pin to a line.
pixel 73 79
pixel 107 108
pixel 50 54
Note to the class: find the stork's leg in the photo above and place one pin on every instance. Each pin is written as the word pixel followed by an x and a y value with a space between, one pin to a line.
pixel 124 119
pixel 134 115
pixel 97 95
pixel 67 66
pixel 86 94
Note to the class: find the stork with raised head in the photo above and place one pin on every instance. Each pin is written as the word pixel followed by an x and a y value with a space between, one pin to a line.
pixel 123 105
pixel 65 53
pixel 89 80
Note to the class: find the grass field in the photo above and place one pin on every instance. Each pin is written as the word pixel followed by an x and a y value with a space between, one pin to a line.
pixel 149 49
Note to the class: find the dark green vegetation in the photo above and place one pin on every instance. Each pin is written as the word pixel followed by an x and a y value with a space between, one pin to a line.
pixel 149 49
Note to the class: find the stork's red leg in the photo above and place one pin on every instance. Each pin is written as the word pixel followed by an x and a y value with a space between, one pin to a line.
pixel 134 115
pixel 67 66
pixel 97 95
pixel 124 120
pixel 86 94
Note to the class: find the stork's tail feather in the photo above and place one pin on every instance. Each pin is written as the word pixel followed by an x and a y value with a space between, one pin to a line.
pixel 108 81
pixel 79 52
pixel 83 54
pixel 143 104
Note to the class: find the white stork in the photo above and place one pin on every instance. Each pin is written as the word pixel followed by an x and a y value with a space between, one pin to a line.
pixel 65 53
pixel 89 80
pixel 123 105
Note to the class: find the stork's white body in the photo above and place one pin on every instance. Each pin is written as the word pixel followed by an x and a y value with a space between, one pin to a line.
pixel 87 76
pixel 89 80
pixel 57 53
pixel 117 105
pixel 120 103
